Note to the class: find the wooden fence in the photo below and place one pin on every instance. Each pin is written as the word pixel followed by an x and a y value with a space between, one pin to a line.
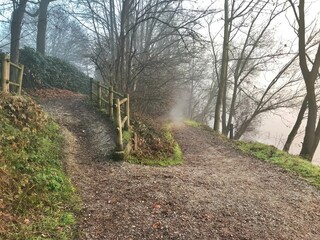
pixel 8 69
pixel 116 105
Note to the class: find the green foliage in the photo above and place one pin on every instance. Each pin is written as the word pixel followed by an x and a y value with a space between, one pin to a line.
pixel 49 71
pixel 126 136
pixel 291 163
pixel 38 199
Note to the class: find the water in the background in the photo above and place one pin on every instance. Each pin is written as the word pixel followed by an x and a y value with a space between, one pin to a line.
pixel 274 130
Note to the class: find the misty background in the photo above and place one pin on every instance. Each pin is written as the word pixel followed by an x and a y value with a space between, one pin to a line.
pixel 221 63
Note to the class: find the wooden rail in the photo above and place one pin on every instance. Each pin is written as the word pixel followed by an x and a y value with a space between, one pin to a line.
pixel 113 102
pixel 7 82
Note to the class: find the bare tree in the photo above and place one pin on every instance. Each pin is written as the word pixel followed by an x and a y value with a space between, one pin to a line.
pixel 310 73
pixel 246 52
pixel 140 45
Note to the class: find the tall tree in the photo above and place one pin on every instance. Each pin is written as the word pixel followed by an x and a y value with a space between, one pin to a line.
pixel 309 73
pixel 248 46
pixel 139 45
pixel 224 69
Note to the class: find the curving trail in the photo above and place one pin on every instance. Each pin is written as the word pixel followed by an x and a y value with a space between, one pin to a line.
pixel 217 194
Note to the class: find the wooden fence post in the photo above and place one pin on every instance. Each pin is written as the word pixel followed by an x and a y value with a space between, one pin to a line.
pixel 5 76
pixel 20 77
pixel 119 127
pixel 99 94
pixel 91 89
pixel 127 126
pixel 111 102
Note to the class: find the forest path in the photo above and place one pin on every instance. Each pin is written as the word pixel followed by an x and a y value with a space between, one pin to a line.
pixel 217 193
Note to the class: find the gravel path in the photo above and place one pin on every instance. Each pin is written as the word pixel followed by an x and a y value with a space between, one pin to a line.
pixel 217 193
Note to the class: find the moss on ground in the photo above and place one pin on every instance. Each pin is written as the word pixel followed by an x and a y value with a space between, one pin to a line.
pixel 291 163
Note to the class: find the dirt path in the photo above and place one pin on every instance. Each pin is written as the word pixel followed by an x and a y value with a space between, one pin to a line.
pixel 217 194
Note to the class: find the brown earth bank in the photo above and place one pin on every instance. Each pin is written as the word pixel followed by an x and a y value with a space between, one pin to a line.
pixel 218 193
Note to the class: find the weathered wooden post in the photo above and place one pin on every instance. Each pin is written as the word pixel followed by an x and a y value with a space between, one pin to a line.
pixel 119 126
pixel 20 77
pixel 91 89
pixel 99 94
pixel 231 131
pixel 111 102
pixel 5 76
pixel 127 126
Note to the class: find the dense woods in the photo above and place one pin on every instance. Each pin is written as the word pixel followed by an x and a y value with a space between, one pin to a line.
pixel 223 62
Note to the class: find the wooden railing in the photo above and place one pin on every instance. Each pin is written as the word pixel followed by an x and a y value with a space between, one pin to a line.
pixel 17 72
pixel 116 105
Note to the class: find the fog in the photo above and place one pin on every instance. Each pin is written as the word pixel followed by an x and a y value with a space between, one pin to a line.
pixel 275 128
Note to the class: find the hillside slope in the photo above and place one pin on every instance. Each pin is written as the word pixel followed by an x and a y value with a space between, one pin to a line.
pixel 37 200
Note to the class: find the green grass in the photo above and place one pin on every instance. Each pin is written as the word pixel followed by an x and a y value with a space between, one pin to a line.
pixel 37 196
pixel 291 163
pixel 176 157
pixel 126 137
pixel 193 123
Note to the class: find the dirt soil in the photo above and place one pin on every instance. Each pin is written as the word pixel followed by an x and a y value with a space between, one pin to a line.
pixel 218 193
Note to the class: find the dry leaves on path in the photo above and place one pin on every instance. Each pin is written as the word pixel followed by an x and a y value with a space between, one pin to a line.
pixel 217 194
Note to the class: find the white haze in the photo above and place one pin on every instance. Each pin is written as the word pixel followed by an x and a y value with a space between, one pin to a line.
pixel 274 130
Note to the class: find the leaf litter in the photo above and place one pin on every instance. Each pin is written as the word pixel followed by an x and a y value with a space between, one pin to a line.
pixel 218 193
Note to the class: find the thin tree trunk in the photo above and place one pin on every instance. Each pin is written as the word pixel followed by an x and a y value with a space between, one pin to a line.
pixel 233 102
pixel 225 129
pixel 112 40
pixel 224 69
pixel 296 126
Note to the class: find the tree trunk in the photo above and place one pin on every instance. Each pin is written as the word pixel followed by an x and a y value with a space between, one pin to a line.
pixel 296 126
pixel 224 69
pixel 16 25
pixel 309 78
pixel 309 137
pixel 112 40
pixel 121 48
pixel 225 128
pixel 244 127
pixel 316 139
pixel 233 101
pixel 42 26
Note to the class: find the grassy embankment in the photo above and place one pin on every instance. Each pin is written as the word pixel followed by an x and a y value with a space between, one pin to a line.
pixel 37 200
pixel 291 163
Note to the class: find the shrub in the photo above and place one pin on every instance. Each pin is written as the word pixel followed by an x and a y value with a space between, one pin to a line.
pixel 45 71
